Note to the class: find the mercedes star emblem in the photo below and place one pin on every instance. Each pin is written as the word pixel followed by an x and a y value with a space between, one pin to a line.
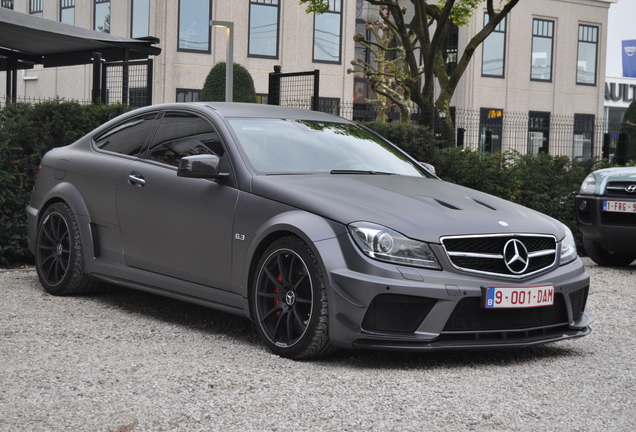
pixel 516 256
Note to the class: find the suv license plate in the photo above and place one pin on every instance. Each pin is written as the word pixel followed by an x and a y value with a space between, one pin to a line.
pixel 518 297
pixel 619 206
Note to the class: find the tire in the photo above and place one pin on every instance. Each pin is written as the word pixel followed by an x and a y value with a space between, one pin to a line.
pixel 58 253
pixel 289 301
pixel 604 257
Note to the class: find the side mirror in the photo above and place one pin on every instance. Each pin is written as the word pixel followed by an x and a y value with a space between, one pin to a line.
pixel 428 167
pixel 201 166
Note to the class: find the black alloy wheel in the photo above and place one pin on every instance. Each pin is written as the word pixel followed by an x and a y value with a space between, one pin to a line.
pixel 58 253
pixel 290 302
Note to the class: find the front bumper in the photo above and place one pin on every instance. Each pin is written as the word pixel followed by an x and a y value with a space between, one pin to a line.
pixel 615 231
pixel 376 305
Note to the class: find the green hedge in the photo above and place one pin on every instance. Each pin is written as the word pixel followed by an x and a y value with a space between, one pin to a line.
pixel 27 131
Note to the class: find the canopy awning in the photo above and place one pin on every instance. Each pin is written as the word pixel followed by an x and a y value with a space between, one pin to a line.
pixel 29 40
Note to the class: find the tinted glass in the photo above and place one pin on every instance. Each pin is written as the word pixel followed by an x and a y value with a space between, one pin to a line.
pixel 184 134
pixel 586 62
pixel 327 34
pixel 493 51
pixel 300 146
pixel 129 137
pixel 140 18
pixel 194 25
pixel 263 30
pixel 542 32
pixel 67 16
pixel 102 16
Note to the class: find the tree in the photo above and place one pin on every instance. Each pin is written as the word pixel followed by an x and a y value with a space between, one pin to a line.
pixel 242 88
pixel 424 37
pixel 385 71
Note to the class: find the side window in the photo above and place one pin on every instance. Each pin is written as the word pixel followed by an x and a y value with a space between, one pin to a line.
pixel 127 138
pixel 184 134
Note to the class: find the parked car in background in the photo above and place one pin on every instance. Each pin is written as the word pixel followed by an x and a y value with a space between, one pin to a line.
pixel 317 229
pixel 606 215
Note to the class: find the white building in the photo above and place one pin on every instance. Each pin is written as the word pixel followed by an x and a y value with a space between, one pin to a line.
pixel 543 67
pixel 266 33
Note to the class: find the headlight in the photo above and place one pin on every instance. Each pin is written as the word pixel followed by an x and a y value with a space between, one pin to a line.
pixel 589 185
pixel 568 247
pixel 384 244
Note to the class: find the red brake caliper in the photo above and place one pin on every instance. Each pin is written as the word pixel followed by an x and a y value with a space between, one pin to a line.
pixel 277 291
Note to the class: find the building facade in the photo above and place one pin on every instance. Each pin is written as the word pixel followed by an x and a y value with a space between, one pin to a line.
pixel 266 33
pixel 536 84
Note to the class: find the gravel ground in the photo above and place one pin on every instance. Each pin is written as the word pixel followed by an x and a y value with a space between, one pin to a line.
pixel 124 361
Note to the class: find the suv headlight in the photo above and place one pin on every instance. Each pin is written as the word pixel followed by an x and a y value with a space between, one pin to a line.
pixel 384 244
pixel 568 247
pixel 589 185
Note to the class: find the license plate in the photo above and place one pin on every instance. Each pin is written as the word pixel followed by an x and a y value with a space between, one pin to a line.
pixel 619 206
pixel 518 297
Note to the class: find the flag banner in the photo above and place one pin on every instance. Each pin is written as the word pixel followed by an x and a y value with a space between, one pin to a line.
pixel 629 58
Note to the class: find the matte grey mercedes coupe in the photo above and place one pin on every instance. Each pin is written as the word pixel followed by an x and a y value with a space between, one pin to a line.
pixel 317 229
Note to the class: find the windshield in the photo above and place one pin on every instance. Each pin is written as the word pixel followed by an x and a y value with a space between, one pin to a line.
pixel 302 146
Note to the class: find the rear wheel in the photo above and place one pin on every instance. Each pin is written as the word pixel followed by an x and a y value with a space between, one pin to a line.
pixel 58 253
pixel 604 257
pixel 289 301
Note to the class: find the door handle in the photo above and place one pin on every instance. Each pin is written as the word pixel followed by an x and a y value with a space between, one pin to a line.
pixel 136 180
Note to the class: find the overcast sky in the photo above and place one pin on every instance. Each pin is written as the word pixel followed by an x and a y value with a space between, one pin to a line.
pixel 622 26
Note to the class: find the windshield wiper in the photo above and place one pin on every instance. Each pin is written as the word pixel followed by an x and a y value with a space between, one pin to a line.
pixel 361 172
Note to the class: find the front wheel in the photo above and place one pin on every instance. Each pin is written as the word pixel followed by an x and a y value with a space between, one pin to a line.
pixel 289 301
pixel 604 257
pixel 58 253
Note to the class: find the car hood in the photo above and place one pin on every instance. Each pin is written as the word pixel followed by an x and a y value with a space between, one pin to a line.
pixel 420 208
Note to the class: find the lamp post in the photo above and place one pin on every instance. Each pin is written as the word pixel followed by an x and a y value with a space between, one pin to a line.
pixel 229 60
pixel 370 12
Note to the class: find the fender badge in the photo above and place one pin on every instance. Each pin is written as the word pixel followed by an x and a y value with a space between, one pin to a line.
pixel 502 223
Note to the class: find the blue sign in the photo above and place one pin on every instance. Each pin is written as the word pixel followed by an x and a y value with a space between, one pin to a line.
pixel 629 58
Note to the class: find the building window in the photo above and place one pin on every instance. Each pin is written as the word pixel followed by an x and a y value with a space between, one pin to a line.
pixel 494 50
pixel 140 18
pixel 186 95
pixel 67 12
pixel 7 4
pixel 586 61
pixel 35 8
pixel 327 29
pixel 538 132
pixel 542 39
pixel 102 16
pixel 490 130
pixel 263 37
pixel 262 98
pixel 583 137
pixel 194 25
pixel 452 48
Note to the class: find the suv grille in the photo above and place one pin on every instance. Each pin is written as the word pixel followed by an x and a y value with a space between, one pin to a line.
pixel 618 189
pixel 514 256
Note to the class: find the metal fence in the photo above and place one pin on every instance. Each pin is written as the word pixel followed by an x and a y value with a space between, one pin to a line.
pixel 580 136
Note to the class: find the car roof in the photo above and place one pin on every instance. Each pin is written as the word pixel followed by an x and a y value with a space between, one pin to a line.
pixel 256 110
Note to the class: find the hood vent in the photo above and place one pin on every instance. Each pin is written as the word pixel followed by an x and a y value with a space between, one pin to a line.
pixel 445 204
pixel 483 204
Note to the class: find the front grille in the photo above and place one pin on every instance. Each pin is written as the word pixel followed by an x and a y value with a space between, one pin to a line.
pixel 469 316
pixel 617 189
pixel 486 254
pixel 397 313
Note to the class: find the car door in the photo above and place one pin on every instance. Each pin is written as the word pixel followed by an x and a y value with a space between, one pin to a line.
pixel 176 226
